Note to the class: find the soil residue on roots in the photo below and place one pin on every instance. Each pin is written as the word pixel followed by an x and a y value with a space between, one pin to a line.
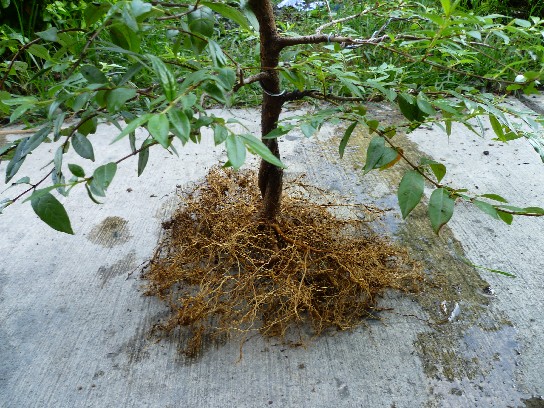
pixel 224 271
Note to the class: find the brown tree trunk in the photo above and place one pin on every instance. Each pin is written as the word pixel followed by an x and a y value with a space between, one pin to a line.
pixel 270 176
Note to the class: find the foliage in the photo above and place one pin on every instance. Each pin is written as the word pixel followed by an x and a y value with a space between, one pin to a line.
pixel 160 65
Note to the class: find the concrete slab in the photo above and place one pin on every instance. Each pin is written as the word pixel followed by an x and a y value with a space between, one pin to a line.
pixel 75 326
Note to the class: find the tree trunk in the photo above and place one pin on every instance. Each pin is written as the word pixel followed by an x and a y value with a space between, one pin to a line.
pixel 270 176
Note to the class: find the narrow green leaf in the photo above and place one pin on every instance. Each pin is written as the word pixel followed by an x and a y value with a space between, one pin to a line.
pixel 16 161
pixel 410 192
pixel 52 212
pixel 180 124
pixel 495 197
pixel 236 151
pixel 76 170
pixel 497 127
pixel 166 78
pixel 446 5
pixel 143 157
pixel 258 147
pixel 159 128
pixel 487 208
pixel 83 146
pixel 132 126
pixel 345 139
pixel 441 207
pixel 36 139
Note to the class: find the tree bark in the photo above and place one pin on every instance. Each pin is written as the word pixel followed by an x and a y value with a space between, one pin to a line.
pixel 270 176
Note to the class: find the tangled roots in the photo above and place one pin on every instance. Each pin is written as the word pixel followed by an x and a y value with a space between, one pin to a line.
pixel 223 270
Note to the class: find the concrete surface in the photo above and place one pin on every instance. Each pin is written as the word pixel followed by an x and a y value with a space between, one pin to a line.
pixel 75 326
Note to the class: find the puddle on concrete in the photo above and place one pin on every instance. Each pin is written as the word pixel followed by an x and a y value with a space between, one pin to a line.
pixel 480 344
pixel 125 265
pixel 110 232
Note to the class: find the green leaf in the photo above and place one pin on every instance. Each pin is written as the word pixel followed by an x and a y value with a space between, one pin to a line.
pixel 218 56
pixel 166 78
pixel 522 23
pixel 16 161
pixel 228 12
pixel 180 123
pixel 374 153
pixel 39 51
pixel 410 191
pixel 215 92
pixel 495 197
pixel 36 139
pixel 258 147
pixel 95 11
pixel 117 98
pixel 132 126
pixel 52 212
pixel 507 218
pixel 143 157
pixel 438 169
pixel 49 34
pixel 487 208
pixel 220 134
pixel 83 146
pixel 236 151
pixel 19 111
pixel 446 5
pixel 497 127
pixel 102 178
pixel 159 128
pixel 93 75
pixel 308 129
pixel 408 107
pixel 88 126
pixel 345 139
pixel 424 105
pixel 124 37
pixel 76 170
pixel 389 157
pixel 279 131
pixel 440 208
pixel 201 21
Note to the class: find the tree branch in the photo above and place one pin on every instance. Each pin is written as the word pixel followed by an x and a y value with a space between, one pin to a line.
pixel 250 80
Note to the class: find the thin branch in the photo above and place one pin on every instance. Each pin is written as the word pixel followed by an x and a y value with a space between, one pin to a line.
pixel 344 19
pixel 250 80
pixel 164 4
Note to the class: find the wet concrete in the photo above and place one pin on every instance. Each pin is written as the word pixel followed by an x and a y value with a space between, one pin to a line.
pixel 76 332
